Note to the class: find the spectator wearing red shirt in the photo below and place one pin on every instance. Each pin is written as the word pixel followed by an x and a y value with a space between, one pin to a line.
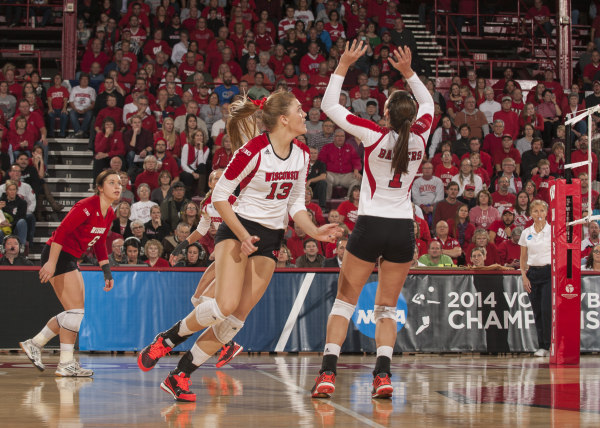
pixel 530 116
pixel 507 150
pixel 20 139
pixel 187 67
pixel 287 23
pixel 139 9
pixel 296 242
pixel 95 54
pixel 202 35
pixel 509 251
pixel 590 70
pixel 348 210
pixel 320 80
pixel 498 87
pixel 164 159
pixel 223 154
pixel 227 58
pixel 334 27
pixel 157 44
pixel 509 117
pixel 138 34
pixel 508 170
pixel 500 230
pixel 485 158
pixel 58 101
pixel 446 170
pixel 148 120
pixel 450 246
pixel 125 76
pixel 557 159
pixel 342 163
pixel 304 93
pixel 264 40
pixel 502 198
pixel 581 155
pixel 35 123
pixel 111 110
pixel 446 208
pixel 541 16
pixel 149 175
pixel 108 143
pixel 279 60
pixel 14 87
pixel 309 63
pixel 543 180
pixel 482 239
pixel 493 140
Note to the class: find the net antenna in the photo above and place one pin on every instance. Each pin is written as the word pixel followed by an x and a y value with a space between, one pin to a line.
pixel 587 113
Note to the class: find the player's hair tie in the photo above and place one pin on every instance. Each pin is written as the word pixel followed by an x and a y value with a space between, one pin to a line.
pixel 259 103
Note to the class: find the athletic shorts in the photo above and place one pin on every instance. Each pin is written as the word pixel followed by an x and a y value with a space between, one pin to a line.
pixel 270 239
pixel 66 262
pixel 391 238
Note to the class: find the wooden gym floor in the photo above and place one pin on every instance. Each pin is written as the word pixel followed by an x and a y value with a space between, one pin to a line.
pixel 273 391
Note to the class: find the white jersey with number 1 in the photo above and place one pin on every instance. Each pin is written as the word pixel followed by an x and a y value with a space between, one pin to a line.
pixel 383 193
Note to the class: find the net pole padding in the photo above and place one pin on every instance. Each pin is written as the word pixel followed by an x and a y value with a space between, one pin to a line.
pixel 565 205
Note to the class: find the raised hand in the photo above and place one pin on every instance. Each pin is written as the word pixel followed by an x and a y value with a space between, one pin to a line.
pixel 401 60
pixel 353 52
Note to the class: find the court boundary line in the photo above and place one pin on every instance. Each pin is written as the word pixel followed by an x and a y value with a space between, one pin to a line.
pixel 294 312
pixel 337 406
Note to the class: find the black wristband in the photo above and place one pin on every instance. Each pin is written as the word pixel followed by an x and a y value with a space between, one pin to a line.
pixel 180 248
pixel 107 272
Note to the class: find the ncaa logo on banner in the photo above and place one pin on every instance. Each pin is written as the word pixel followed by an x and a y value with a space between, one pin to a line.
pixel 364 318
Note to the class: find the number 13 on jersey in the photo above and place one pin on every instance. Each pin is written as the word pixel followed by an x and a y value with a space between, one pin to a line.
pixel 280 190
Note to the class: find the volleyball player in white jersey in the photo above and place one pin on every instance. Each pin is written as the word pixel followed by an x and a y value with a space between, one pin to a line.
pixel 271 171
pixel 384 226
pixel 205 288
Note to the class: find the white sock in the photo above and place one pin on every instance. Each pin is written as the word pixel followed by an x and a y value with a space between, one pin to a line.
pixel 66 352
pixel 183 329
pixel 385 351
pixel 332 349
pixel 199 356
pixel 43 337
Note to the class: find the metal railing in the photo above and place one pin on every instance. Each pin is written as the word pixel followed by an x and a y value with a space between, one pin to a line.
pixel 28 5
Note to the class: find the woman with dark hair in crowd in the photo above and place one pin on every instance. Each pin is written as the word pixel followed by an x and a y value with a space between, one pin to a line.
pixel 384 228
pixel 108 143
pixel 163 191
pixel 592 261
pixel 531 189
pixel 195 256
pixel 460 228
pixel 243 269
pixel 445 132
pixel 194 158
pixel 521 207
pixel 76 233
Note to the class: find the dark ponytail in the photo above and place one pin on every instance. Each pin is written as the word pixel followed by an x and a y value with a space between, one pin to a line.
pixel 402 110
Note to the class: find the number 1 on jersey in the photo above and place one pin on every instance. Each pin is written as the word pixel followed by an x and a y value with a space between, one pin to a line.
pixel 285 187
pixel 395 182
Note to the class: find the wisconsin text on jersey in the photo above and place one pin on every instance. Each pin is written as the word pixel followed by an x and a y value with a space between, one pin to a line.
pixel 281 175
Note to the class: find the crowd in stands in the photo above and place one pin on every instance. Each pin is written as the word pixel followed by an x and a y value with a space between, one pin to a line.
pixel 152 92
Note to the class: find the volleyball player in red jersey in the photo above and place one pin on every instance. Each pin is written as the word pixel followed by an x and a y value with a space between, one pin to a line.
pixel 205 289
pixel 271 171
pixel 384 228
pixel 86 226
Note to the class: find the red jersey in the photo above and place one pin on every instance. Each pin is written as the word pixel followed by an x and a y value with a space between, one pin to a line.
pixel 508 252
pixel 305 97
pixel 319 82
pixel 498 227
pixel 543 186
pixel 445 174
pixel 350 213
pixel 57 97
pixel 84 227
pixel 112 145
pixel 501 202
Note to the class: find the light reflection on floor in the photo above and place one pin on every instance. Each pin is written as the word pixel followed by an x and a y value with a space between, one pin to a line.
pixel 272 391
